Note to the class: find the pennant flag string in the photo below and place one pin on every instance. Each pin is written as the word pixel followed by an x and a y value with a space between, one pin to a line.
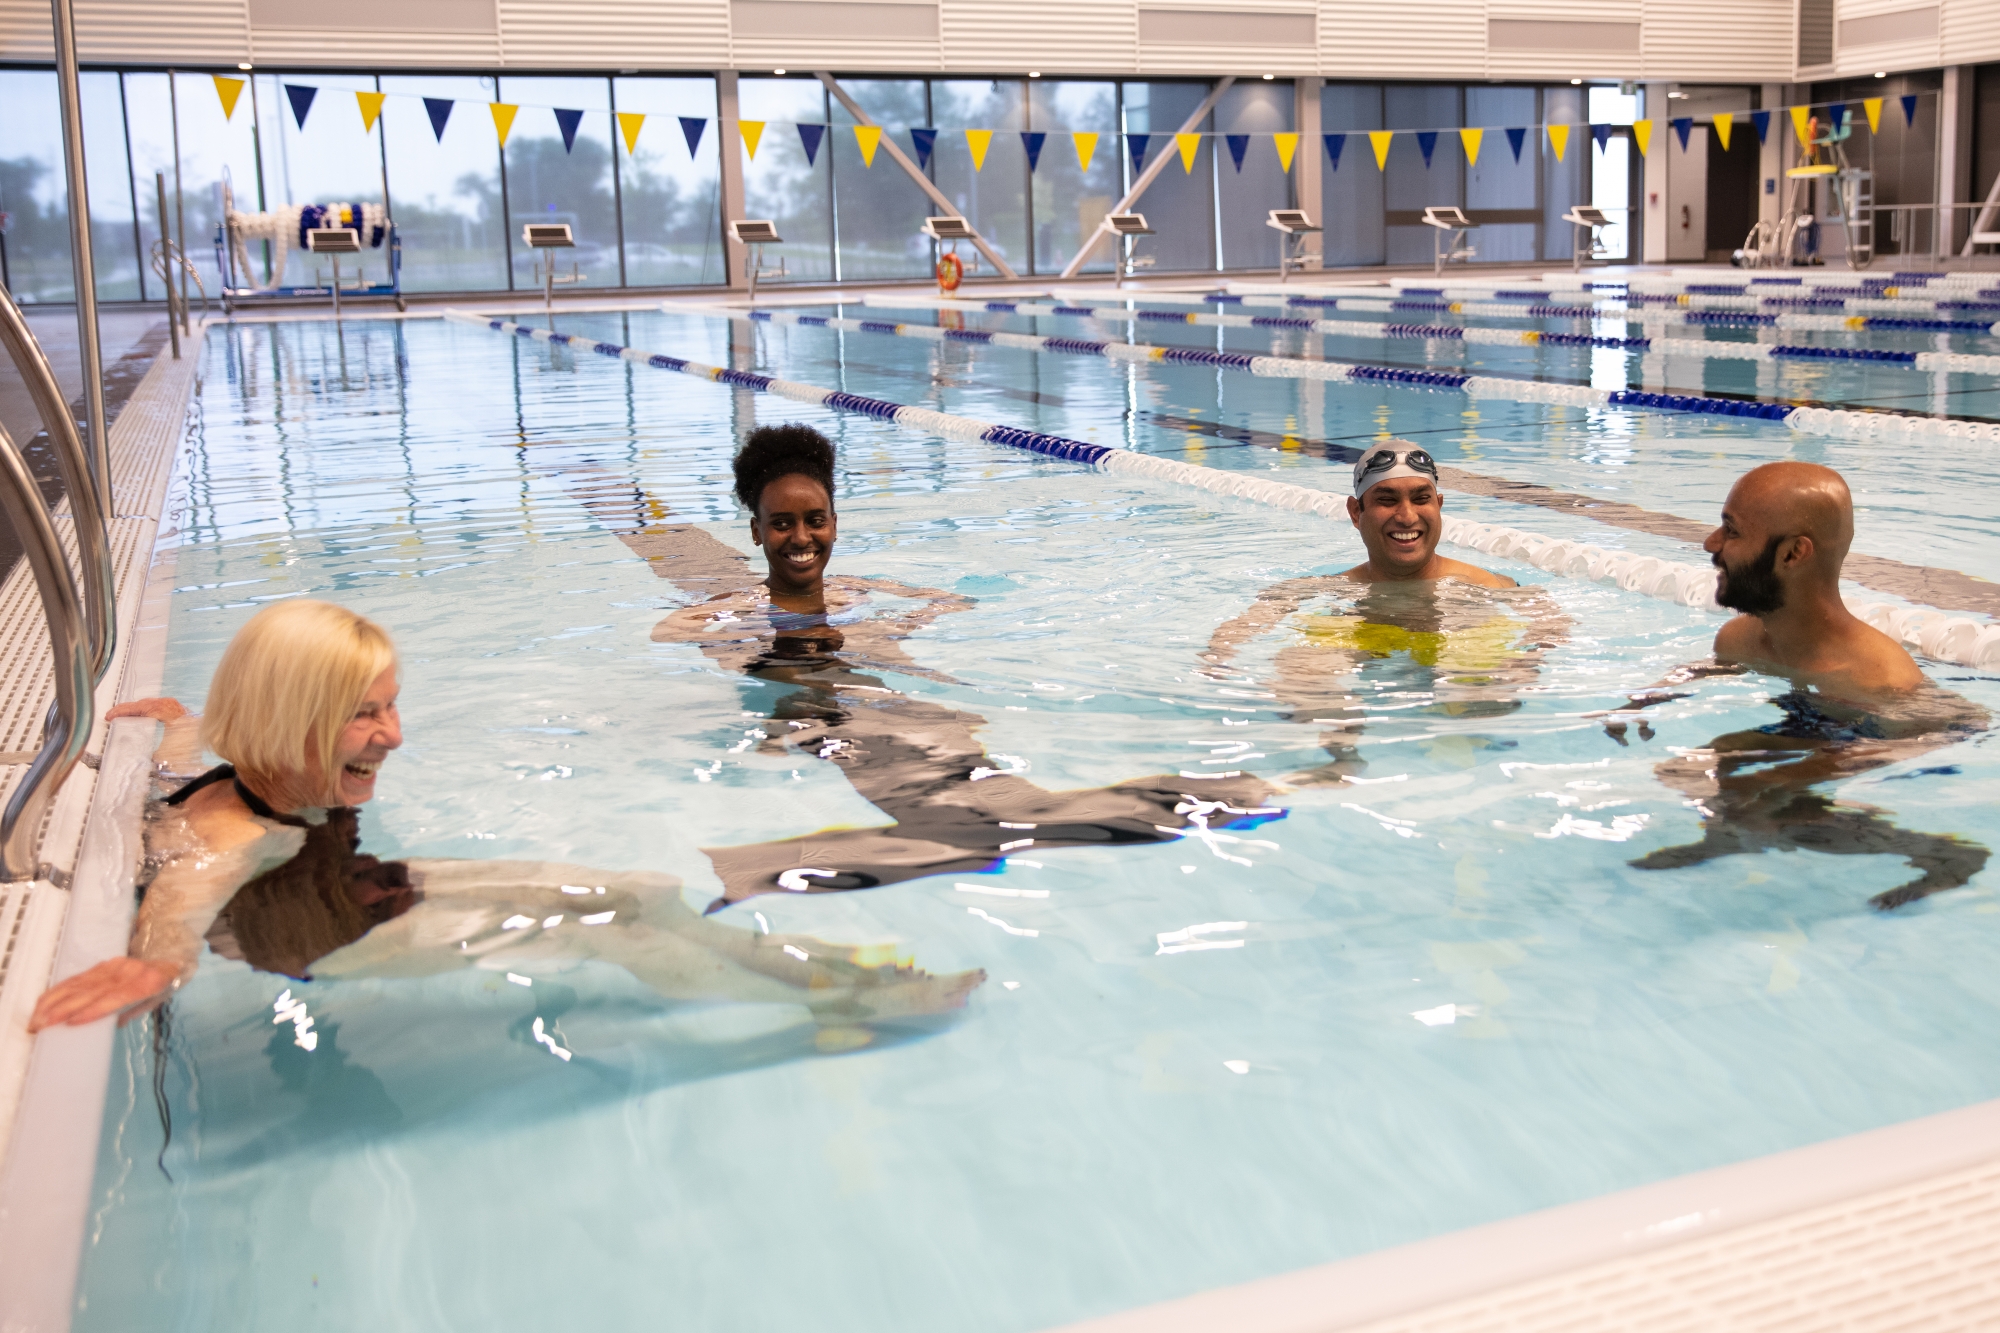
pixel 1839 113
pixel 1602 134
pixel 809 137
pixel 1136 145
pixel 1723 122
pixel 1031 143
pixel 1086 148
pixel 1427 142
pixel 1559 139
pixel 691 130
pixel 228 90
pixel 301 97
pixel 1872 107
pixel 1187 143
pixel 1334 143
pixel 1471 139
pixel 503 120
pixel 567 121
pixel 1760 121
pixel 1800 115
pixel 1239 144
pixel 371 108
pixel 1379 141
pixel 868 138
pixel 1515 140
pixel 439 109
pixel 978 141
pixel 1288 147
pixel 752 131
pixel 924 141
pixel 629 123
pixel 1909 110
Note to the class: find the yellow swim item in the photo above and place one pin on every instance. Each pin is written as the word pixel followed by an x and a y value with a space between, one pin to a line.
pixel 1485 646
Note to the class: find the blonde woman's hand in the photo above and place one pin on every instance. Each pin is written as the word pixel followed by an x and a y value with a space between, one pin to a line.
pixel 160 710
pixel 124 986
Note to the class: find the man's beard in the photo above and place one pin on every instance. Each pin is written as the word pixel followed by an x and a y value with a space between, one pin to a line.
pixel 1752 588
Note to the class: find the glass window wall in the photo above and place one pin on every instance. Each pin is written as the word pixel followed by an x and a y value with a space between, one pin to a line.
pixel 995 198
pixel 1180 205
pixel 1070 200
pixel 551 178
pixel 780 183
pixel 445 187
pixel 1246 194
pixel 1350 186
pixel 671 194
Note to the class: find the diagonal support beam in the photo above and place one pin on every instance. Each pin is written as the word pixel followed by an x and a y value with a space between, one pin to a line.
pixel 1985 216
pixel 923 181
pixel 1147 177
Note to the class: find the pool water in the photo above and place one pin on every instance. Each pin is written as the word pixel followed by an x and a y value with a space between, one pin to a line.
pixel 1433 994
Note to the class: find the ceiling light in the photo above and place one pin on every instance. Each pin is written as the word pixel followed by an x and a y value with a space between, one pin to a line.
pixel 777 71
pixel 1576 83
pixel 1881 73
pixel 243 64
pixel 1269 77
pixel 1034 74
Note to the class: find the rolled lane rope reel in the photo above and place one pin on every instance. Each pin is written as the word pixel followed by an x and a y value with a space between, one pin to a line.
pixel 1958 640
pixel 286 228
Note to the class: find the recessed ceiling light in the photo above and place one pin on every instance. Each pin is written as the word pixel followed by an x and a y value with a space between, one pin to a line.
pixel 1270 76
pixel 1034 74
pixel 1881 73
pixel 777 71
pixel 1578 83
pixel 243 64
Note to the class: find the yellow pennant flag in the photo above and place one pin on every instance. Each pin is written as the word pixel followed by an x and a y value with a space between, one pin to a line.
pixel 1873 106
pixel 228 90
pixel 503 119
pixel 1642 134
pixel 752 130
pixel 1288 147
pixel 1086 148
pixel 1800 114
pixel 1188 144
pixel 1559 139
pixel 979 141
pixel 629 123
pixel 1724 122
pixel 868 138
pixel 1471 139
pixel 371 107
pixel 1379 141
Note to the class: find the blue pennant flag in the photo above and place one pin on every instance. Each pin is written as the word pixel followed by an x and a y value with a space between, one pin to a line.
pixel 1427 140
pixel 691 128
pixel 1239 144
pixel 1909 110
pixel 302 100
pixel 1136 144
pixel 1683 126
pixel 810 135
pixel 1761 120
pixel 1334 143
pixel 1032 140
pixel 439 109
pixel 1839 113
pixel 1601 133
pixel 924 141
pixel 567 121
pixel 1515 139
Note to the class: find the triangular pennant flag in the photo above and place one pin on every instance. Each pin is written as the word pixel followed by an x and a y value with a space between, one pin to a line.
pixel 1516 139
pixel 1031 143
pixel 567 121
pixel 1800 114
pixel 1471 139
pixel 439 110
pixel 809 136
pixel 1427 142
pixel 1135 144
pixel 1086 148
pixel 1379 141
pixel 1909 110
pixel 1239 144
pixel 228 90
pixel 371 107
pixel 1601 133
pixel 1760 121
pixel 1839 112
pixel 752 131
pixel 925 142
pixel 1724 121
pixel 1334 143
pixel 1188 144
pixel 1288 148
pixel 1872 106
pixel 978 141
pixel 868 138
pixel 503 118
pixel 301 97
pixel 1559 139
pixel 629 123
pixel 1683 128
pixel 691 130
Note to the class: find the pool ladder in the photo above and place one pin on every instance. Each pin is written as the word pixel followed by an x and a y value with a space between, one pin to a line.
pixel 79 605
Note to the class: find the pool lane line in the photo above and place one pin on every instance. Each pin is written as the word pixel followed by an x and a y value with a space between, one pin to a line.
pixel 1958 640
pixel 1839 423
pixel 1955 362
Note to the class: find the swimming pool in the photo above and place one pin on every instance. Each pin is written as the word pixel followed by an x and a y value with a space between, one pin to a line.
pixel 1434 993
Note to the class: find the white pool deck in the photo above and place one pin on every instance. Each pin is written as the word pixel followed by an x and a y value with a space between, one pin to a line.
pixel 1897 1228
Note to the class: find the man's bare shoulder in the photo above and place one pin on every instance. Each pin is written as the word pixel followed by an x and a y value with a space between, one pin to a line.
pixel 1473 574
pixel 1741 639
pixel 1883 662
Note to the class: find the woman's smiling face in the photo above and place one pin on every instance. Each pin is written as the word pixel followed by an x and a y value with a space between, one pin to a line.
pixel 795 525
pixel 366 740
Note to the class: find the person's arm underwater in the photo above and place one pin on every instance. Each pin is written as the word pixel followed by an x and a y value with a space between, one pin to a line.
pixel 1266 612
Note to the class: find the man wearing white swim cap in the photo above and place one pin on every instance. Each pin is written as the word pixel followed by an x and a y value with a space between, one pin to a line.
pixel 1399 512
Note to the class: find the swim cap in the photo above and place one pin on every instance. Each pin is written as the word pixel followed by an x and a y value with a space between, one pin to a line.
pixel 1391 459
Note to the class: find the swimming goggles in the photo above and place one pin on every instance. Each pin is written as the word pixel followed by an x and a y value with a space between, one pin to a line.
pixel 1383 464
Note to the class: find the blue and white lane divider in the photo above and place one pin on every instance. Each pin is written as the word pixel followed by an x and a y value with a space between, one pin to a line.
pixel 1959 363
pixel 1836 422
pixel 1955 639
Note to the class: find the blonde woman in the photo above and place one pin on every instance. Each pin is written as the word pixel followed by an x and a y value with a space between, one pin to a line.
pixel 259 857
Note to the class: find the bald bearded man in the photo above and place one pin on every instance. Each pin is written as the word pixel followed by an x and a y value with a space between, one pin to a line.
pixel 1858 700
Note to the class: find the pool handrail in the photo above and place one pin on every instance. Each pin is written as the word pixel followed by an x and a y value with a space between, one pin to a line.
pixel 89 506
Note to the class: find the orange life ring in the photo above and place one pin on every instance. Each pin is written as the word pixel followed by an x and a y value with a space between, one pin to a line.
pixel 950 272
